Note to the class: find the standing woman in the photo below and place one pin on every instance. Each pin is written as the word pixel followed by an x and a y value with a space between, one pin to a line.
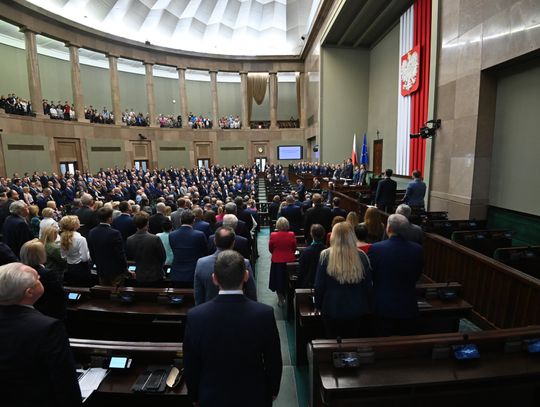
pixel 373 224
pixel 343 286
pixel 282 245
pixel 74 249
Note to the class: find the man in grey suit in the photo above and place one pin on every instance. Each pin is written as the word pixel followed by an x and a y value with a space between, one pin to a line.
pixel 414 233
pixel 204 287
pixel 177 214
pixel 147 251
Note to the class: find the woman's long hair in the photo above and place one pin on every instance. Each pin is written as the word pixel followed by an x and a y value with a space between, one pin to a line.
pixel 373 222
pixel 344 262
pixel 68 226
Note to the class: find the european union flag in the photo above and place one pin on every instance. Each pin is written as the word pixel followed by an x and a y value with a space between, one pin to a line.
pixel 364 159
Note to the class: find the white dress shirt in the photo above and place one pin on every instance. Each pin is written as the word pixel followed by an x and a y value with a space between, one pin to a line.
pixel 78 252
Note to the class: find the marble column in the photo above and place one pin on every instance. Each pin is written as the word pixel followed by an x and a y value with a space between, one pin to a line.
pixel 213 87
pixel 273 99
pixel 303 97
pixel 245 101
pixel 76 86
pixel 148 68
pixel 115 88
pixel 32 65
pixel 183 96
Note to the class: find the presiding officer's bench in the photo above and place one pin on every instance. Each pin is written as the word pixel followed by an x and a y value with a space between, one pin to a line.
pixel 422 370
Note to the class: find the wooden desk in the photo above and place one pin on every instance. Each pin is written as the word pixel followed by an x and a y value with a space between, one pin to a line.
pixel 116 387
pixel 403 371
pixel 442 316
pixel 96 316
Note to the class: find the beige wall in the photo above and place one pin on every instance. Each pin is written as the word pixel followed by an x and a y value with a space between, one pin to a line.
pixel 516 141
pixel 165 91
pixel 132 92
pixel 475 35
pixel 344 100
pixel 383 96
pixel 13 74
pixel 55 77
pixel 19 159
pixel 199 98
pixel 167 157
pixel 229 99
pixel 96 87
pixel 228 157
pixel 105 159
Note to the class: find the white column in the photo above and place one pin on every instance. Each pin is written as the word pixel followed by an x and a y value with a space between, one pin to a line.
pixel 115 88
pixel 76 87
pixel 32 66
pixel 245 101
pixel 273 100
pixel 183 96
pixel 213 86
pixel 148 69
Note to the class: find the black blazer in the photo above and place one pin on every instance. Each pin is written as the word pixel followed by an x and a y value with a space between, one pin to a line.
pixel 307 265
pixel 386 193
pixel 125 225
pixel 155 223
pixel 149 255
pixel 7 255
pixel 232 354
pixel 273 209
pixel 88 219
pixel 107 251
pixel 36 365
pixel 241 245
pixel 293 214
pixel 53 301
pixel 318 214
pixel 338 212
pixel 16 232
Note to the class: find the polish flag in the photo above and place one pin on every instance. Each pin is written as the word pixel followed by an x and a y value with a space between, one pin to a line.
pixel 353 154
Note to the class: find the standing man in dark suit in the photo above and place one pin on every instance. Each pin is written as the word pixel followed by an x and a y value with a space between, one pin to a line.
pixel 385 197
pixel 188 246
pixel 232 355
pixel 397 265
pixel 416 191
pixel 155 224
pixel 300 190
pixel 36 365
pixel 87 216
pixel 124 222
pixel 292 213
pixel 200 224
pixel 318 214
pixel 273 208
pixel 12 196
pixel 147 251
pixel 241 244
pixel 347 171
pixel 204 287
pixel 336 210
pixel 107 250
pixel 16 231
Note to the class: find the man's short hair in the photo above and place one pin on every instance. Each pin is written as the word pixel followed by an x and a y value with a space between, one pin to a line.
pixel 140 219
pixel 86 199
pixel 416 174
pixel 104 214
pixel 289 199
pixel 224 238
pixel 317 199
pixel 14 280
pixel 161 207
pixel 33 253
pixel 16 207
pixel 239 201
pixel 198 212
pixel 167 225
pixel 388 172
pixel 230 221
pixel 229 269
pixel 336 201
pixel 123 206
pixel 404 210
pixel 230 208
pixel 317 232
pixel 181 202
pixel 398 224
pixel 361 233
pixel 187 217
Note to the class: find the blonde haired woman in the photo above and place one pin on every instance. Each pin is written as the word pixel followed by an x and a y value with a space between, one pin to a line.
pixel 282 245
pixel 74 249
pixel 343 286
pixel 352 218
pixel 55 263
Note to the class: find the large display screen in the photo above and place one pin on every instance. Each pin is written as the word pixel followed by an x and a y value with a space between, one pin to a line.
pixel 289 152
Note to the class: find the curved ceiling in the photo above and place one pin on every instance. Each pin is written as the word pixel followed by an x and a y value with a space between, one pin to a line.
pixel 225 27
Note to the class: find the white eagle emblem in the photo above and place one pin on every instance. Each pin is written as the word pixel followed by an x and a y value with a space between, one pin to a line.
pixel 409 71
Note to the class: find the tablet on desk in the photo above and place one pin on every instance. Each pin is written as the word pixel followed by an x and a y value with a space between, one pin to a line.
pixel 132 268
pixel 119 362
pixel 74 296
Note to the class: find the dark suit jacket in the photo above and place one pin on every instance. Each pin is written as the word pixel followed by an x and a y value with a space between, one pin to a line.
pixel 397 265
pixel 241 245
pixel 149 255
pixel 188 246
pixel 88 219
pixel 385 197
pixel 124 224
pixel 107 251
pixel 232 355
pixel 53 301
pixel 318 214
pixel 7 255
pixel 203 226
pixel 36 365
pixel 16 232
pixel 155 223
pixel 338 212
pixel 293 214
pixel 241 229
pixel 307 265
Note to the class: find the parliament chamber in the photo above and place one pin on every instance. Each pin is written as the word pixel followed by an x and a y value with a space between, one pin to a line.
pixel 269 202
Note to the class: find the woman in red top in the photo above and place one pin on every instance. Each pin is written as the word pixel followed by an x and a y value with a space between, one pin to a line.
pixel 282 245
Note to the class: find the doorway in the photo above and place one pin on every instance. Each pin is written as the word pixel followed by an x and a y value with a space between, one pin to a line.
pixel 260 162
pixel 377 157
pixel 140 165
pixel 203 163
pixel 68 166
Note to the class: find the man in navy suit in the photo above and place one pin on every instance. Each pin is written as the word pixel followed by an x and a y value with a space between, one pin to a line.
pixel 36 365
pixel 397 265
pixel 232 355
pixel 241 244
pixel 300 189
pixel 107 250
pixel 416 191
pixel 204 287
pixel 200 224
pixel 188 246
pixel 124 222
pixel 292 213
pixel 15 231
pixel 336 210
pixel 385 197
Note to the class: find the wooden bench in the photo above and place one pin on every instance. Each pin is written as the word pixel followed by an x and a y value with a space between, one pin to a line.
pixel 421 370
pixel 435 317
pixel 484 241
pixel 522 258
